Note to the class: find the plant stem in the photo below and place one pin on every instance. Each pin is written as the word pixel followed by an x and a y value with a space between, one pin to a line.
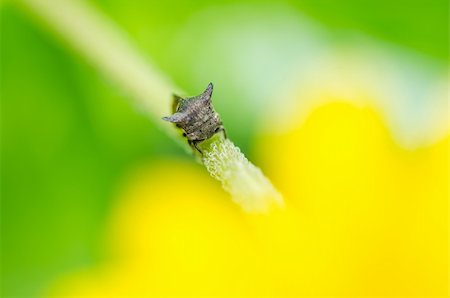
pixel 104 45
pixel 244 181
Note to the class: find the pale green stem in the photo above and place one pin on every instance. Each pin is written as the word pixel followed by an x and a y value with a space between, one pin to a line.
pixel 245 182
pixel 104 45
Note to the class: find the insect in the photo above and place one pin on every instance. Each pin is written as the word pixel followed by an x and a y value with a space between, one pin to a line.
pixel 196 117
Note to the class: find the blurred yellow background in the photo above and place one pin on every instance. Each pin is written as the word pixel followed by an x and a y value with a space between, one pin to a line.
pixel 343 104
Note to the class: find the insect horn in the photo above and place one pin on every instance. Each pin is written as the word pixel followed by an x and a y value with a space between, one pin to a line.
pixel 208 92
pixel 175 118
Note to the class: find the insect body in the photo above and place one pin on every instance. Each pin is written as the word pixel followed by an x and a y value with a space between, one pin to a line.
pixel 196 117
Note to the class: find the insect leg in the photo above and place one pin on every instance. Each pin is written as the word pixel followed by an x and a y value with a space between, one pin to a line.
pixel 224 132
pixel 222 129
pixel 193 144
pixel 175 102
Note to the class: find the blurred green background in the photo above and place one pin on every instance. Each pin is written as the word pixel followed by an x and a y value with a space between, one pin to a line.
pixel 68 134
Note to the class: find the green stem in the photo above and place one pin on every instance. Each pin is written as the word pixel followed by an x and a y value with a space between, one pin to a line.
pixel 102 43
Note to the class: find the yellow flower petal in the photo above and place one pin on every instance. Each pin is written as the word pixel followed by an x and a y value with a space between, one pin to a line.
pixel 378 212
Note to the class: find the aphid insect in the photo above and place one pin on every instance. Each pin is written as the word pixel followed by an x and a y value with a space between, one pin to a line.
pixel 196 117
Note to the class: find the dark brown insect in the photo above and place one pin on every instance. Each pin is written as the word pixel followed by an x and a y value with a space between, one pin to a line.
pixel 196 117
